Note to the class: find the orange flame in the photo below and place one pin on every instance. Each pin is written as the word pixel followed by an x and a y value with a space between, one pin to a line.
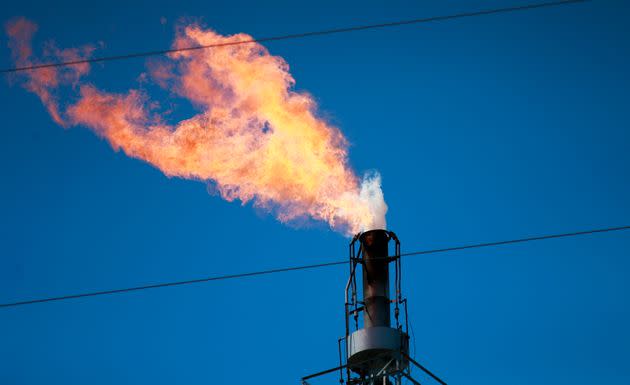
pixel 254 137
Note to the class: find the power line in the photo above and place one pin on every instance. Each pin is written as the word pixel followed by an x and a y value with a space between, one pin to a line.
pixel 315 266
pixel 521 240
pixel 298 35
pixel 167 284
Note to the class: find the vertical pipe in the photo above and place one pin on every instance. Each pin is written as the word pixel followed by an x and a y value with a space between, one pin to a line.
pixel 375 278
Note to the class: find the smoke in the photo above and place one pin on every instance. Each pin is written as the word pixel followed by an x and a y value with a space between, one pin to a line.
pixel 253 137
pixel 372 195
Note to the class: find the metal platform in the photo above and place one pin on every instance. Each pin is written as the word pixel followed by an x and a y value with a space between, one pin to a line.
pixel 382 342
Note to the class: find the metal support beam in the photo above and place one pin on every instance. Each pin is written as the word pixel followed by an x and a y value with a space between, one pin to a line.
pixel 427 371
pixel 411 379
pixel 322 373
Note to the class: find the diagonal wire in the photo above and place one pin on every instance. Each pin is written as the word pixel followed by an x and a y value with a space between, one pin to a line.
pixel 308 267
pixel 520 240
pixel 297 35
pixel 168 284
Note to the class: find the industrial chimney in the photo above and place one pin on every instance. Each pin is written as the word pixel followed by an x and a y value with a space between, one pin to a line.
pixel 375 278
pixel 373 350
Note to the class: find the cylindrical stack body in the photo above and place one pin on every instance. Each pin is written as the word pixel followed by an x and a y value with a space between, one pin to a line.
pixel 375 278
pixel 376 345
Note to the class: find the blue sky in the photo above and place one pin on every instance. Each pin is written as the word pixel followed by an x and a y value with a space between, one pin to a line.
pixel 483 129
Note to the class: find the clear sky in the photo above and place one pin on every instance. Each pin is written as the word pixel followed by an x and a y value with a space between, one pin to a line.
pixel 483 129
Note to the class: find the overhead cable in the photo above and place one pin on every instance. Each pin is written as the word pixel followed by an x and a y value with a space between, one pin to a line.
pixel 308 267
pixel 398 23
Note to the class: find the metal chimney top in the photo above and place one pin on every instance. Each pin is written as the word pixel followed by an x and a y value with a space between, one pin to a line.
pixel 373 350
